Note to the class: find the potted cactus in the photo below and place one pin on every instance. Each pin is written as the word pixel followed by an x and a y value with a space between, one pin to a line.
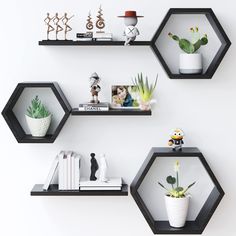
pixel 38 118
pixel 190 62
pixel 145 91
pixel 176 199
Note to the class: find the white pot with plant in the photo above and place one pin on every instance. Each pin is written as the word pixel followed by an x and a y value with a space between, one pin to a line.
pixel 176 200
pixel 38 118
pixel 145 92
pixel 190 62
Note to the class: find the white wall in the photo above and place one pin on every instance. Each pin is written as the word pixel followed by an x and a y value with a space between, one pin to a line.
pixel 204 109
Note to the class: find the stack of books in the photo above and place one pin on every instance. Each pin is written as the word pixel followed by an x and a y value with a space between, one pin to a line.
pixel 67 165
pixel 103 106
pixel 85 36
pixel 102 36
pixel 110 184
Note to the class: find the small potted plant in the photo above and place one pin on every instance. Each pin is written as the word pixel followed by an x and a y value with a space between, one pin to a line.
pixel 145 91
pixel 190 62
pixel 38 118
pixel 176 199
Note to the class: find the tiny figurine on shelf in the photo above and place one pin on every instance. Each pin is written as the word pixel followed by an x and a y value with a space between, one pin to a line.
pixel 95 88
pixel 65 19
pixel 94 167
pixel 103 169
pixel 89 25
pixel 130 32
pixel 47 21
pixel 100 23
pixel 176 140
pixel 56 21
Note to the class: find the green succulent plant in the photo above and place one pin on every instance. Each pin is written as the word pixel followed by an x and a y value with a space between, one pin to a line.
pixel 37 110
pixel 144 89
pixel 176 190
pixel 194 45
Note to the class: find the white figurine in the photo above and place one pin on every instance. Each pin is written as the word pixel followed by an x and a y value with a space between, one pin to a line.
pixel 103 169
pixel 131 20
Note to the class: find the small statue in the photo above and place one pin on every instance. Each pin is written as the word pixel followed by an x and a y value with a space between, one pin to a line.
pixel 56 21
pixel 65 20
pixel 47 21
pixel 100 23
pixel 103 169
pixel 131 20
pixel 94 167
pixel 95 88
pixel 89 25
pixel 176 140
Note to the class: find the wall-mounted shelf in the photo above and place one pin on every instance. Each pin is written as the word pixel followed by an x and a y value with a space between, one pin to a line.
pixel 53 191
pixel 218 30
pixel 90 43
pixel 76 112
pixel 15 122
pixel 206 210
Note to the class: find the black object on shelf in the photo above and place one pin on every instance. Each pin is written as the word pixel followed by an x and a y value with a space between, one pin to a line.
pixel 15 125
pixel 53 191
pixel 162 227
pixel 135 112
pixel 90 43
pixel 215 24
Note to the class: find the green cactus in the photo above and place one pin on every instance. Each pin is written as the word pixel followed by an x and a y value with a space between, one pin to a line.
pixel 194 45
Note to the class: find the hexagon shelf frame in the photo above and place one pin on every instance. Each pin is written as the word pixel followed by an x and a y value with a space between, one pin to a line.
pixel 15 125
pixel 215 24
pixel 206 212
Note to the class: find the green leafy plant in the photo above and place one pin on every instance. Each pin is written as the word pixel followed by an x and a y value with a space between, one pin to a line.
pixel 176 190
pixel 37 110
pixel 196 42
pixel 145 89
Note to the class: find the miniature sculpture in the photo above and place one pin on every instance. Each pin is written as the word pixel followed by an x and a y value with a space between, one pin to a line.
pixel 130 32
pixel 89 25
pixel 94 167
pixel 103 169
pixel 47 21
pixel 95 88
pixel 100 24
pixel 56 21
pixel 65 20
pixel 176 140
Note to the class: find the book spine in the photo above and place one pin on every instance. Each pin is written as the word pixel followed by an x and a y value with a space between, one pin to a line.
pixel 73 171
pixel 69 171
pixel 65 168
pixel 90 108
pixel 77 172
pixel 61 172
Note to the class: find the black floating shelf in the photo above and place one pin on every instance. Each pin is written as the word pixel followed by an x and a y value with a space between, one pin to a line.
pixel 15 125
pixel 76 112
pixel 90 43
pixel 53 191
pixel 215 24
pixel 162 227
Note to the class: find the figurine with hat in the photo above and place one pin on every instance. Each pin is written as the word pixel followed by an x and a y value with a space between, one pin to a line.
pixel 131 20
pixel 95 88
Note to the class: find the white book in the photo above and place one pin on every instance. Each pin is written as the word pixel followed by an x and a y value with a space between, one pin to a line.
pixel 69 170
pixel 73 170
pixel 65 169
pixel 102 35
pixel 61 185
pixel 99 188
pixel 91 108
pixel 112 182
pixel 51 173
pixel 76 171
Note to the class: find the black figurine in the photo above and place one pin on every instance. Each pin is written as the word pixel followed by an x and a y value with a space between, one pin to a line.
pixel 94 167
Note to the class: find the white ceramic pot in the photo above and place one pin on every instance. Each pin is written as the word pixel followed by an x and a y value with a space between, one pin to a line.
pixel 190 63
pixel 177 210
pixel 38 127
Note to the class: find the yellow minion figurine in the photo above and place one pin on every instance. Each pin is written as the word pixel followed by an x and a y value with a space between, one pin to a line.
pixel 176 140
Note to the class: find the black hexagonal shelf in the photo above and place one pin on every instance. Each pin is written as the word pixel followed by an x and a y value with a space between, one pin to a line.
pixel 22 95
pixel 206 199
pixel 220 42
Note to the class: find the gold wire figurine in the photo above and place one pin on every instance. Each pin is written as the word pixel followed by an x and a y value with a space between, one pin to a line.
pixel 89 25
pixel 65 20
pixel 47 21
pixel 56 21
pixel 100 24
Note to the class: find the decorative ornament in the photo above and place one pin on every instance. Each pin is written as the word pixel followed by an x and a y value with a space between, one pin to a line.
pixel 100 24
pixel 89 25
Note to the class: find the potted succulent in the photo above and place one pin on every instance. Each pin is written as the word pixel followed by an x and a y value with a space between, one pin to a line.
pixel 176 199
pixel 190 62
pixel 38 118
pixel 145 91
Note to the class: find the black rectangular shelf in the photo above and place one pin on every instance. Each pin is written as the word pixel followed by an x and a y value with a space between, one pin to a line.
pixel 53 191
pixel 90 43
pixel 76 112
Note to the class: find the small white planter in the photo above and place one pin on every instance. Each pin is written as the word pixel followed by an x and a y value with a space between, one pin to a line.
pixel 190 63
pixel 177 210
pixel 38 127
